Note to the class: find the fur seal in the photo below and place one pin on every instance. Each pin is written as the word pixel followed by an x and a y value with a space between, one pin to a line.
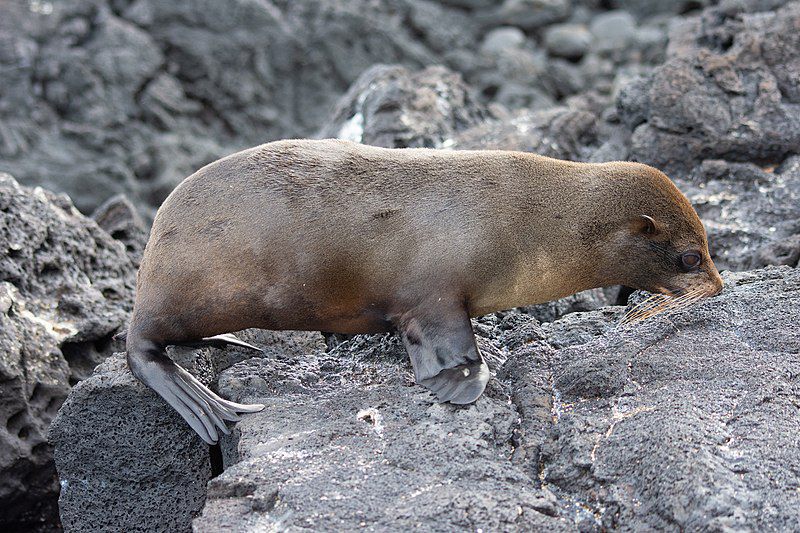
pixel 341 237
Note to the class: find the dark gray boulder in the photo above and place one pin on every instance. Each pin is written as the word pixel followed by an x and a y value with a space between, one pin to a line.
pixel 561 132
pixel 501 40
pixel 726 91
pixel 119 218
pixel 120 447
pixel 613 30
pixel 65 287
pixel 527 14
pixel 646 8
pixel 391 107
pixel 34 381
pixel 123 462
pixel 570 41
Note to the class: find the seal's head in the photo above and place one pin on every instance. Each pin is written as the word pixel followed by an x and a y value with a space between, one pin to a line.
pixel 655 241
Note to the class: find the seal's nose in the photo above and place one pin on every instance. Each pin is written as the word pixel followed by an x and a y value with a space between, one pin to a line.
pixel 716 280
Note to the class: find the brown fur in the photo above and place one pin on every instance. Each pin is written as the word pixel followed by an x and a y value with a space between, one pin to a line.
pixel 341 237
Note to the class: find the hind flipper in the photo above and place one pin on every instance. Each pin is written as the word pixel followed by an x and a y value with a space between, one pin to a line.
pixel 202 409
pixel 443 352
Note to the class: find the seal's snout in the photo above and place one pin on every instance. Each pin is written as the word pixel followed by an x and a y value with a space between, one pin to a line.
pixel 716 283
pixel 703 288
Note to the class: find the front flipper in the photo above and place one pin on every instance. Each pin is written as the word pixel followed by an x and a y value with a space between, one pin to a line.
pixel 442 347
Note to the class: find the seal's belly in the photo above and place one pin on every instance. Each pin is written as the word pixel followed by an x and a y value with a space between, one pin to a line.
pixel 306 307
pixel 349 322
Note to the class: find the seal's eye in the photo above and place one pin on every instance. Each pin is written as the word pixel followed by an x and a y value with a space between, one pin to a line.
pixel 690 260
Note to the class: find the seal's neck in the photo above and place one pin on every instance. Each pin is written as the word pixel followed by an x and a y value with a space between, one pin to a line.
pixel 553 221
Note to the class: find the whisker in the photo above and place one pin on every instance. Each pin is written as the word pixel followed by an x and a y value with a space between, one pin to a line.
pixel 653 300
pixel 643 310
pixel 644 307
pixel 686 302
pixel 638 308
pixel 661 304
pixel 672 306
pixel 654 311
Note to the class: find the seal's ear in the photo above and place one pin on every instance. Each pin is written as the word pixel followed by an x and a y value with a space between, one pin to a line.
pixel 646 225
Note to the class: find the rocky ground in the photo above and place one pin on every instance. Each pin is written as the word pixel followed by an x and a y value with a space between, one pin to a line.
pixel 685 422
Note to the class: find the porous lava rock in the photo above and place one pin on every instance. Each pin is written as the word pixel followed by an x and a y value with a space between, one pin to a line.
pixel 390 106
pixel 65 287
pixel 120 447
pixel 727 90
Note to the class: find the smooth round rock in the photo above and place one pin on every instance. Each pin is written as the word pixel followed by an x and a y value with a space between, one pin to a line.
pixel 570 41
pixel 500 39
pixel 613 30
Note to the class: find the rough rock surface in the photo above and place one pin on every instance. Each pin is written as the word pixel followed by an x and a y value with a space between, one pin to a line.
pixel 120 219
pixel 116 449
pixel 559 132
pixel 752 214
pixel 728 90
pixel 687 421
pixel 119 446
pixel 335 453
pixel 394 108
pixel 65 287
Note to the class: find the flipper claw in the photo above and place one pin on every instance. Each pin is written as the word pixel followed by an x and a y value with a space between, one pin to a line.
pixel 454 386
